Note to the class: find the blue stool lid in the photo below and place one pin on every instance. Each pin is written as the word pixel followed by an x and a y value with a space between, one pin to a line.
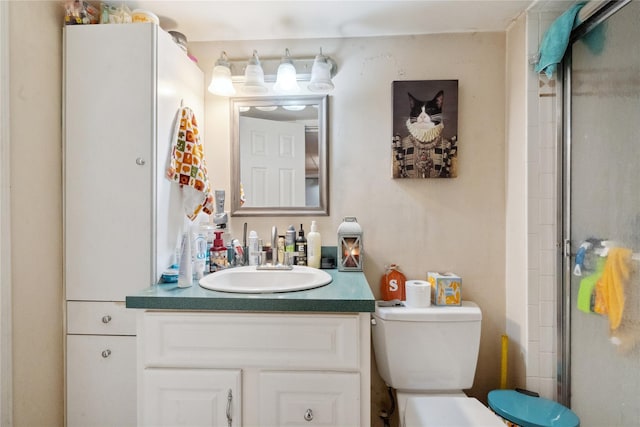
pixel 531 411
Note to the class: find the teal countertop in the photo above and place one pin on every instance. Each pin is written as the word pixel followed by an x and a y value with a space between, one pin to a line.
pixel 348 292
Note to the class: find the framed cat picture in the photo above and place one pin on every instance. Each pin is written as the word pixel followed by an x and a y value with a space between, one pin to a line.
pixel 425 129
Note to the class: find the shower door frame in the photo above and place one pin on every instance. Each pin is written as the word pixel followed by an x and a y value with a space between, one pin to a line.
pixel 563 377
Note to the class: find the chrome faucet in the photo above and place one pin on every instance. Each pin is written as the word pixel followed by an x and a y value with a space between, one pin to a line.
pixel 274 255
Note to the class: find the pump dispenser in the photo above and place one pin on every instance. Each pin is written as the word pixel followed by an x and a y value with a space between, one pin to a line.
pixel 314 247
pixel 218 253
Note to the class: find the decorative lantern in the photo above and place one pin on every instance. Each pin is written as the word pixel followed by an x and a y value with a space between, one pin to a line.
pixel 350 251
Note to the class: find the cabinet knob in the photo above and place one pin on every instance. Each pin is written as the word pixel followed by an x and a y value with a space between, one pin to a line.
pixel 106 319
pixel 106 353
pixel 308 415
pixel 140 161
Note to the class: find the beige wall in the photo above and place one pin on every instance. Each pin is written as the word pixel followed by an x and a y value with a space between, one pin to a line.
pixel 456 224
pixel 516 207
pixel 36 212
pixel 443 225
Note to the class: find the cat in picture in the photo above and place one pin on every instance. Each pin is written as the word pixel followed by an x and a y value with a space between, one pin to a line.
pixel 424 152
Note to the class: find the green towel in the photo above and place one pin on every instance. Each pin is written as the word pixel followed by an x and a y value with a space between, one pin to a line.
pixel 587 287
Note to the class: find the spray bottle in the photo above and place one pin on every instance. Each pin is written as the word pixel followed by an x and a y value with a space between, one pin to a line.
pixel 290 239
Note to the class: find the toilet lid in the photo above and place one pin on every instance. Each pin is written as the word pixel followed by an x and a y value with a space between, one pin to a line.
pixel 448 411
pixel 530 411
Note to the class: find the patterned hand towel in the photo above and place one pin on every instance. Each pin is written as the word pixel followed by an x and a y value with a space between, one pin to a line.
pixel 188 167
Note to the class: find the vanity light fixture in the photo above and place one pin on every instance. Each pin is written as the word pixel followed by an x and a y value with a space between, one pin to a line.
pixel 254 76
pixel 250 77
pixel 286 79
pixel 221 77
pixel 321 74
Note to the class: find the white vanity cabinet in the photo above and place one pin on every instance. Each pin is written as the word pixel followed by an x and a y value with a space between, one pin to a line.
pixel 123 86
pixel 281 369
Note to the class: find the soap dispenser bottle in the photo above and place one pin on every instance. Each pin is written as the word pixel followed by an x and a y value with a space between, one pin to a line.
pixel 392 284
pixel 301 248
pixel 314 247
pixel 218 253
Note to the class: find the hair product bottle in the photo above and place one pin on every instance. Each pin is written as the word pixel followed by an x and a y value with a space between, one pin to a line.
pixel 290 239
pixel 301 248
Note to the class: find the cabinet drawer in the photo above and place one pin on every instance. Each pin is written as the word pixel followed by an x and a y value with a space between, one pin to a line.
pixel 309 398
pixel 100 318
pixel 101 381
pixel 250 340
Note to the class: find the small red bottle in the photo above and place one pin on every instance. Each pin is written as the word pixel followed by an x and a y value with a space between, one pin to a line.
pixel 392 284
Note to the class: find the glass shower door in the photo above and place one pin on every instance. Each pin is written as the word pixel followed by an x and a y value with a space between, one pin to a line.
pixel 604 182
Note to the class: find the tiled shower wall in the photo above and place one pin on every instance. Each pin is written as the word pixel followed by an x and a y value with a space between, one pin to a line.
pixel 542 149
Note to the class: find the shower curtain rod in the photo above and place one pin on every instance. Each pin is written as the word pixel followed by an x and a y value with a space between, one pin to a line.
pixel 590 8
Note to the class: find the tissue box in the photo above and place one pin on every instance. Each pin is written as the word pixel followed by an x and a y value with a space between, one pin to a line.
pixel 446 288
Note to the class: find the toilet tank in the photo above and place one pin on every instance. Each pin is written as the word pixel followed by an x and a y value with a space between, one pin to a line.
pixel 427 349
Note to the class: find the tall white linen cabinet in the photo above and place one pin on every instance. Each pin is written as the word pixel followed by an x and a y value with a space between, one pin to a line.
pixel 123 87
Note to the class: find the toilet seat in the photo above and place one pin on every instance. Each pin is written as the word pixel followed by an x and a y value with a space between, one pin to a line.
pixel 448 411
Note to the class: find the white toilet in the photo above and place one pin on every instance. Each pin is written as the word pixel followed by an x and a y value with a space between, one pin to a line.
pixel 429 356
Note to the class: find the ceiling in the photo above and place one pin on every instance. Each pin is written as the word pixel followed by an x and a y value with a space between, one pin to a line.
pixel 222 20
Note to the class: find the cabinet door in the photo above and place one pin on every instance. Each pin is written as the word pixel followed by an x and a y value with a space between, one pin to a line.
pixel 191 397
pixel 108 163
pixel 289 399
pixel 101 381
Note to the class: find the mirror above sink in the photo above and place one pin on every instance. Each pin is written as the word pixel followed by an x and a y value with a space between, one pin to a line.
pixel 279 156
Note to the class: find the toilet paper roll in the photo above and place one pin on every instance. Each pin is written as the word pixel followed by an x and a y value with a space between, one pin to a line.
pixel 418 293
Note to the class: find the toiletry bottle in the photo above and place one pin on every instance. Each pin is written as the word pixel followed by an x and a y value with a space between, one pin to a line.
pixel 218 253
pixel 185 271
pixel 238 253
pixel 392 284
pixel 301 248
pixel 314 246
pixel 280 250
pixel 231 255
pixel 199 255
pixel 253 248
pixel 290 239
pixel 206 229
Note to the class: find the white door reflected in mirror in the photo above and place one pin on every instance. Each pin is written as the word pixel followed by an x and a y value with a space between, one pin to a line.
pixel 272 155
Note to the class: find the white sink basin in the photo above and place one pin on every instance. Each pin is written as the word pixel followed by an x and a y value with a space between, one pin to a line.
pixel 249 280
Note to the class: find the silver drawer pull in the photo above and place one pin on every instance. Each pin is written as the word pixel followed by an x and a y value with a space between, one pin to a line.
pixel 308 415
pixel 106 353
pixel 140 161
pixel 229 399
pixel 106 319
